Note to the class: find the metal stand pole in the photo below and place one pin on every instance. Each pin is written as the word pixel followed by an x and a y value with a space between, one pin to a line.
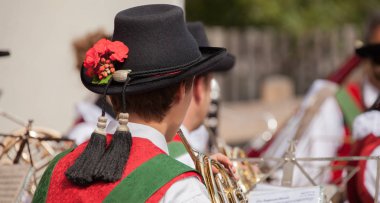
pixel 287 177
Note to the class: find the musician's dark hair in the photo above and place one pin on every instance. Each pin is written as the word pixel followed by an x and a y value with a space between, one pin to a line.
pixel 153 105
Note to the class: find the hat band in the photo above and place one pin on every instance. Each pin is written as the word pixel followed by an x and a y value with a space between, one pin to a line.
pixel 159 74
pixel 164 71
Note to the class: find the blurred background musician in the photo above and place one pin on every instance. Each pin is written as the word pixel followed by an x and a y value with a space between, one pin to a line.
pixel 366 133
pixel 192 126
pixel 329 131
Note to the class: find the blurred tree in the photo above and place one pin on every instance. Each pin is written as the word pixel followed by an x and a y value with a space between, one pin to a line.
pixel 292 16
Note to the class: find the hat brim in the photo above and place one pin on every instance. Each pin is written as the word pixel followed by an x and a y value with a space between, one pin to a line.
pixel 226 64
pixel 210 58
pixel 4 53
pixel 371 50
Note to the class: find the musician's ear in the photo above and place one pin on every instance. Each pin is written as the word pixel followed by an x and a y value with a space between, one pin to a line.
pixel 198 89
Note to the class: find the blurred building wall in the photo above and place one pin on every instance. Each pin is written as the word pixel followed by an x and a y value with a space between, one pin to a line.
pixel 261 53
pixel 38 81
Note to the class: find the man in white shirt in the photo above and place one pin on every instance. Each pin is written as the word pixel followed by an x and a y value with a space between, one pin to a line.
pixel 148 69
pixel 366 133
pixel 192 126
pixel 329 132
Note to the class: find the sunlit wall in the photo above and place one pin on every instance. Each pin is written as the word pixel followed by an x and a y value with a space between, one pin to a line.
pixel 38 80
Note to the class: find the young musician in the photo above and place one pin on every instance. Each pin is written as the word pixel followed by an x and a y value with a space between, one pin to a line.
pixel 148 69
pixel 329 131
pixel 366 132
pixel 192 126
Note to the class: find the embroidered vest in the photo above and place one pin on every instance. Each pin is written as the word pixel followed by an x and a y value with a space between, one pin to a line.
pixel 147 176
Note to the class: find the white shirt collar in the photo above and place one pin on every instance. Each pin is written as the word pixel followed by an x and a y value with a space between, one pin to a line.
pixel 198 138
pixel 143 131
pixel 370 93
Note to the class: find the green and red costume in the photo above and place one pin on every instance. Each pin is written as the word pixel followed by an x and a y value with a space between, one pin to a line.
pixel 356 189
pixel 361 189
pixel 176 147
pixel 147 176
pixel 350 100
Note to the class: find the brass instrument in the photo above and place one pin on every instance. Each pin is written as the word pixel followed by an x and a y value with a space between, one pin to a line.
pixel 248 177
pixel 221 186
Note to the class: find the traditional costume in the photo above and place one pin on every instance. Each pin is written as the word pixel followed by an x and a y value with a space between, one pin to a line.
pixel 329 133
pixel 150 49
pixel 353 100
pixel 149 176
pixel 366 132
pixel 198 138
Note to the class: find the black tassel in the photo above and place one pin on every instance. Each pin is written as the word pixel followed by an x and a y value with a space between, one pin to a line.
pixel 111 166
pixel 81 172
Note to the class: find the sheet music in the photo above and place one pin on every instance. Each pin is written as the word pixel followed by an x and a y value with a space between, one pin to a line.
pixel 12 180
pixel 276 194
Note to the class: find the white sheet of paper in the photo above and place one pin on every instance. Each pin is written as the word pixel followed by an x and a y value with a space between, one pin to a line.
pixel 261 187
pixel 274 194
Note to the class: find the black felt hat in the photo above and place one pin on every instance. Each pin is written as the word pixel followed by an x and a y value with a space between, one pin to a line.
pixel 198 31
pixel 4 53
pixel 369 50
pixel 161 50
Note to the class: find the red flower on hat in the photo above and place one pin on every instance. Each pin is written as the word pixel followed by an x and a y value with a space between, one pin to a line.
pixel 100 59
pixel 119 51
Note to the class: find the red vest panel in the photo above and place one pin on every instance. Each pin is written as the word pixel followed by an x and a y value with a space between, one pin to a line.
pixel 62 190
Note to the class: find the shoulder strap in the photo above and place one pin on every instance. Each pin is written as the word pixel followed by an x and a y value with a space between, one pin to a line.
pixel 348 106
pixel 176 149
pixel 145 180
pixel 43 186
